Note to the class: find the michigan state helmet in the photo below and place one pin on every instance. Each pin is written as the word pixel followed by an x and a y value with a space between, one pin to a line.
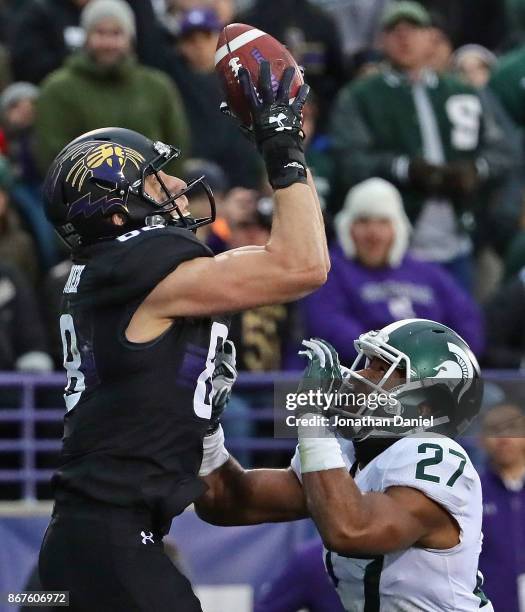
pixel 103 172
pixel 441 380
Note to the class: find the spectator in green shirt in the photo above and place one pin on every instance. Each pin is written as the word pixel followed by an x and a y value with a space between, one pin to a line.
pixel 103 85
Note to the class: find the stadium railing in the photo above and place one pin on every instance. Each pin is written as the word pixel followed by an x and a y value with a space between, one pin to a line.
pixel 31 413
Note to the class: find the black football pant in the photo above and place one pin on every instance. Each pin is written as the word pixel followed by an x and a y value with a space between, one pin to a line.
pixel 111 560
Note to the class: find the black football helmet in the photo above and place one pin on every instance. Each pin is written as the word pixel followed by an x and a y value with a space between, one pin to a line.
pixel 103 172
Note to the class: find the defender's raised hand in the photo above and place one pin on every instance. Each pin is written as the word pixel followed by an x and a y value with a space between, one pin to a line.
pixel 223 379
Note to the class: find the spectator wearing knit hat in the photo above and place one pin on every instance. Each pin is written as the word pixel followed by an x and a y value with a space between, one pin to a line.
pixel 103 85
pixel 43 33
pixel 17 118
pixel 16 245
pixel 374 281
pixel 192 67
pixel 500 214
pixel 425 132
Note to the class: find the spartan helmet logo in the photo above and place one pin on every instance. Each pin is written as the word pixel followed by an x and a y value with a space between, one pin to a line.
pixel 456 372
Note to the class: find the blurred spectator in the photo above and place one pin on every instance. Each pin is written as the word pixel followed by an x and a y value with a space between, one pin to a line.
pixel 303 584
pixel 366 63
pixel 5 72
pixel 312 37
pixel 22 338
pixel 198 199
pixel 499 214
pixel 238 206
pixel 45 32
pixel 103 85
pixel 481 22
pixel 374 281
pixel 441 45
pixel 16 246
pixel 507 84
pixel 317 149
pixel 474 63
pixel 192 67
pixel 425 132
pixel 515 254
pixel 225 10
pixel 17 119
pixel 358 22
pixel 502 559
pixel 172 13
pixel 505 324
pixel 267 338
pixel 514 23
pixel 42 35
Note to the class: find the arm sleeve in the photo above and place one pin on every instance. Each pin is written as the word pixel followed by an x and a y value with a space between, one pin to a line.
pixel 327 314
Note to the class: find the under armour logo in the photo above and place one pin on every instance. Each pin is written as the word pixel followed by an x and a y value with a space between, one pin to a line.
pixel 147 538
pixel 295 165
pixel 235 65
pixel 279 120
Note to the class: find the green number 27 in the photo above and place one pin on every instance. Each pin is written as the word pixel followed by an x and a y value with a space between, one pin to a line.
pixel 422 474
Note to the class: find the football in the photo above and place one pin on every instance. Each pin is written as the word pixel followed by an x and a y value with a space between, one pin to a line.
pixel 241 45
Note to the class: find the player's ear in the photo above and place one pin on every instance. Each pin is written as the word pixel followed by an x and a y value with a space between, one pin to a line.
pixel 118 219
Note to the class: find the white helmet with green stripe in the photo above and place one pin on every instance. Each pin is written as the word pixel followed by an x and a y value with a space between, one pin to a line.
pixel 441 378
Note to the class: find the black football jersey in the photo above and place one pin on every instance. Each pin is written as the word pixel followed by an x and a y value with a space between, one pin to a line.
pixel 136 413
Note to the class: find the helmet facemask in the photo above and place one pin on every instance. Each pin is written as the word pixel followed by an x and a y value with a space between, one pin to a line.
pixel 162 213
pixel 405 398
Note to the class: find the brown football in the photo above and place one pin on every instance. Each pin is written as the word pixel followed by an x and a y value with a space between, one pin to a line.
pixel 241 45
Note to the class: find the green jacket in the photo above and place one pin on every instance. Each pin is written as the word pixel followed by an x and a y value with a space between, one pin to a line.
pixel 507 83
pixel 375 124
pixel 82 96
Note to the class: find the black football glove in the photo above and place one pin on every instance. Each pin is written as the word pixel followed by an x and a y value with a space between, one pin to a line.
pixel 427 178
pixel 223 379
pixel 461 178
pixel 276 124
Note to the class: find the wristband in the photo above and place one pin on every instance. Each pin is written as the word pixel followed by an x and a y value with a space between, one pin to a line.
pixel 285 161
pixel 214 453
pixel 319 454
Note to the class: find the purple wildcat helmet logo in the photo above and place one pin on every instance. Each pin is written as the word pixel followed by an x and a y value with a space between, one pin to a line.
pixel 103 162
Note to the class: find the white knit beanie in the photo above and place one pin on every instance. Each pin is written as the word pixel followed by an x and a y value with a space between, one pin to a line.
pixel 374 197
pixel 96 10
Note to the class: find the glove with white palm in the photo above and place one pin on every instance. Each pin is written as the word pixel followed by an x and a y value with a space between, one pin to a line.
pixel 223 379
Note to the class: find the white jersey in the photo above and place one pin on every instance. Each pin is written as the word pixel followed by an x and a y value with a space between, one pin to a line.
pixel 417 579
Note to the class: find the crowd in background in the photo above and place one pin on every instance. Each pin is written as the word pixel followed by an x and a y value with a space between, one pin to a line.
pixel 413 133
pixel 414 136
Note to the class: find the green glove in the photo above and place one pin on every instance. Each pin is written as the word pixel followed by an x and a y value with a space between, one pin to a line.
pixel 323 372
